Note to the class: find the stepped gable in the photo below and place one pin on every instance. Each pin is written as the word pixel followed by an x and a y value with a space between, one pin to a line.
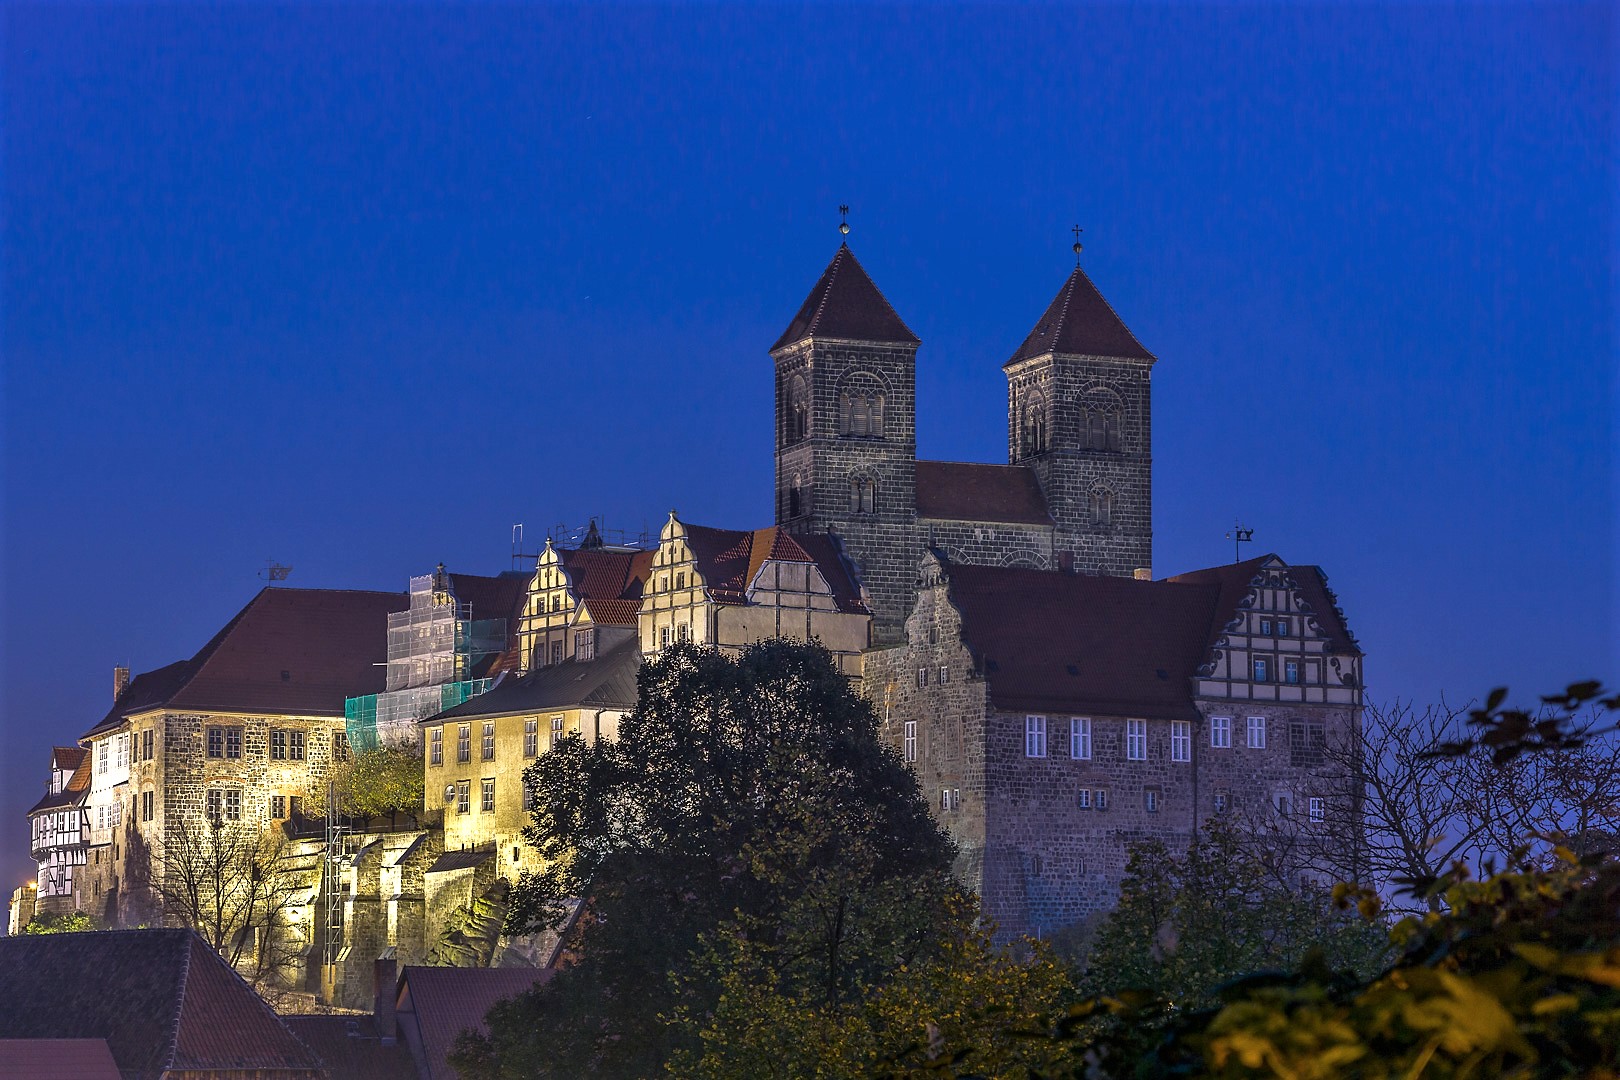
pixel 1054 642
pixel 162 999
pixel 289 652
pixel 845 304
pixel 960 491
pixel 1080 322
pixel 1235 580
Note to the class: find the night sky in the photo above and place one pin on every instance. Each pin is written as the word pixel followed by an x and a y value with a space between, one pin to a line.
pixel 357 288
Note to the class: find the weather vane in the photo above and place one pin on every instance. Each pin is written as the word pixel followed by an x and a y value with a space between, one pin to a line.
pixel 274 571
pixel 1239 536
pixel 843 214
pixel 1077 231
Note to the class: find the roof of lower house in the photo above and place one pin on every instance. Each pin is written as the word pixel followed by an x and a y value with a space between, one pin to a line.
pixel 608 682
pixel 56 1059
pixel 961 491
pixel 351 1048
pixel 845 304
pixel 499 597
pixel 289 652
pixel 1080 322
pixel 442 1002
pixel 162 999
pixel 729 559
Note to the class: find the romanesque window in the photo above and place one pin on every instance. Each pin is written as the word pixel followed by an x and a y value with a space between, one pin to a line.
pixel 861 495
pixel 860 406
pixel 1136 740
pixel 1080 738
pixel 1220 732
pixel 1180 740
pixel 796 417
pixel 1101 420
pixel 1102 507
pixel 1032 425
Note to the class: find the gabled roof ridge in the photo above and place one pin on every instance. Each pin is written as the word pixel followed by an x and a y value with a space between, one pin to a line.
pixel 832 277
pixel 173 1047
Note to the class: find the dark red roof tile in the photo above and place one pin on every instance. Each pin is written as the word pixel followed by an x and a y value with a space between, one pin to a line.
pixel 1079 321
pixel 599 574
pixel 350 1047
pixel 57 1059
pixel 1236 579
pixel 729 560
pixel 960 491
pixel 846 304
pixel 498 597
pixel 439 1003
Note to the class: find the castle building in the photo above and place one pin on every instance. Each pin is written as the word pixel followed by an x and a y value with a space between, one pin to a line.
pixel 58 828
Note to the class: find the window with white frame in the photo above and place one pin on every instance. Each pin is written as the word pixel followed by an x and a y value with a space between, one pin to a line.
pixel 1136 740
pixel 1100 797
pixel 585 644
pixel 463 796
pixel 486 744
pixel 1083 799
pixel 908 742
pixel 556 730
pixel 103 755
pixel 1150 801
pixel 531 737
pixel 121 755
pixel 1180 740
pixel 1222 801
pixel 1220 732
pixel 463 743
pixel 487 802
pixel 1318 810
pixel 1080 738
pixel 1034 736
pixel 944 674
pixel 1257 732
pixel 922 678
pixel 436 746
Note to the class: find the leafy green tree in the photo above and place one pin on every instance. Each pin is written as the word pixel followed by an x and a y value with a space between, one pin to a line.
pixel 386 779
pixel 744 797
pixel 66 922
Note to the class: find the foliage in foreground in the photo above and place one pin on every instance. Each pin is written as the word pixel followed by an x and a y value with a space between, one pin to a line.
pixel 66 922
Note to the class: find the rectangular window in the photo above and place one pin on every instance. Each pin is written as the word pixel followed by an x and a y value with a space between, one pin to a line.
pixel 122 755
pixel 1220 732
pixel 556 730
pixel 146 745
pixel 1222 800
pixel 486 746
pixel 233 743
pixel 295 805
pixel 1282 627
pixel 1180 740
pixel 663 637
pixel 1262 669
pixel 1101 799
pixel 233 804
pixel 340 747
pixel 101 752
pixel 1291 671
pixel 585 645
pixel 1034 736
pixel 278 745
pixel 1318 810
pixel 147 800
pixel 463 743
pixel 531 737
pixel 216 802
pixel 556 652
pixel 528 798
pixel 1257 733
pixel 685 633
pixel 463 796
pixel 436 746
pixel 1265 626
pixel 922 678
pixel 944 674
pixel 295 745
pixel 680 580
pixel 1083 800
pixel 1307 744
pixel 1136 740
pixel 216 742
pixel 487 803
pixel 278 807
pixel 1281 802
pixel 944 799
pixel 908 741
pixel 1150 800
pixel 1080 738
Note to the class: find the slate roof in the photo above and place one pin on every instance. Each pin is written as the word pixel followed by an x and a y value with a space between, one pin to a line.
pixel 297 652
pixel 162 999
pixel 1235 579
pixel 846 304
pixel 461 859
pixel 1079 321
pixel 442 1002
pixel 351 1049
pixel 1049 641
pixel 608 682
pixel 729 559
pixel 56 1059
pixel 959 491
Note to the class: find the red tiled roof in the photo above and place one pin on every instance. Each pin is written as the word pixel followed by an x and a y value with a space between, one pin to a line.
pixel 615 612
pixel 492 597
pixel 1235 580
pixel 960 491
pixel 56 1059
pixel 729 559
pixel 67 757
pixel 443 1002
pixel 74 791
pixel 162 1000
pixel 845 304
pixel 597 574
pixel 1049 641
pixel 837 569
pixel 350 1047
pixel 288 652
pixel 1079 321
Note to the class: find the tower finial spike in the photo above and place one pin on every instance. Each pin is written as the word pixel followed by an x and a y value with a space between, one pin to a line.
pixel 1077 247
pixel 843 214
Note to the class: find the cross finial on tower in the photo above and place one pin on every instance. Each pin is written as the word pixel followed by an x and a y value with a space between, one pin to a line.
pixel 1077 231
pixel 843 223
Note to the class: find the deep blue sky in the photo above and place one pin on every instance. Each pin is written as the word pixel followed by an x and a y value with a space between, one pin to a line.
pixel 356 288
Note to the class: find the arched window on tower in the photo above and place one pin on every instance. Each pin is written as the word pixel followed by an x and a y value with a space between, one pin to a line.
pixel 1102 421
pixel 862 495
pixel 860 406
pixel 796 417
pixel 795 499
pixel 1032 426
pixel 1102 506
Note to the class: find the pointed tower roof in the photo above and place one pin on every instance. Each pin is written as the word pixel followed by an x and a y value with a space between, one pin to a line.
pixel 1081 322
pixel 845 304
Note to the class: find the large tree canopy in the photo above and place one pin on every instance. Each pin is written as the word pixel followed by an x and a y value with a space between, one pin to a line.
pixel 744 798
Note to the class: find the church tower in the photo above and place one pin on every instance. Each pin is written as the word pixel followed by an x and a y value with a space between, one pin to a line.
pixel 1079 413
pixel 846 432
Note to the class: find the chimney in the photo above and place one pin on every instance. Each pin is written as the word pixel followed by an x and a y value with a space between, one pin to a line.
pixel 385 973
pixel 120 682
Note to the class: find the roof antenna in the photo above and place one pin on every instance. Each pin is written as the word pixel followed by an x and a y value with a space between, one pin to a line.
pixel 1239 536
pixel 1077 245
pixel 843 224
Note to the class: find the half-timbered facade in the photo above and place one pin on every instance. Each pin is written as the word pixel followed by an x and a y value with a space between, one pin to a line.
pixel 59 829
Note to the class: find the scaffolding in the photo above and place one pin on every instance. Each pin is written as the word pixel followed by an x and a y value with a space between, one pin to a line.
pixel 433 649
